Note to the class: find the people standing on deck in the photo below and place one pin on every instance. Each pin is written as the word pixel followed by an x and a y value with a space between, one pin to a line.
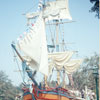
pixel 82 93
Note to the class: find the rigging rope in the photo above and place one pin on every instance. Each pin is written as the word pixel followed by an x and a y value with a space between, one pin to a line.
pixel 15 59
pixel 36 3
pixel 51 33
pixel 63 41
pixel 62 36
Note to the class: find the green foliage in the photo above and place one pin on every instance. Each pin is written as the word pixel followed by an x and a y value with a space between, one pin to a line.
pixel 84 76
pixel 7 90
pixel 95 7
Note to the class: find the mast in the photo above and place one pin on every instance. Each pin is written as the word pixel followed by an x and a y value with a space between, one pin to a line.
pixel 27 69
pixel 57 48
pixel 64 85
pixel 45 81
pixel 45 77
pixel 57 36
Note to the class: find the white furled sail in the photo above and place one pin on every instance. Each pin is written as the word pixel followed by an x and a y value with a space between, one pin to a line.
pixel 58 59
pixel 53 10
pixel 34 46
pixel 72 65
pixel 56 10
pixel 63 59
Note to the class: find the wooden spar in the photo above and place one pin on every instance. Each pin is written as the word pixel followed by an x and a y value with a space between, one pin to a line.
pixel 13 46
pixel 57 36
pixel 64 78
pixel 57 49
pixel 60 23
pixel 45 81
pixel 29 72
pixel 58 77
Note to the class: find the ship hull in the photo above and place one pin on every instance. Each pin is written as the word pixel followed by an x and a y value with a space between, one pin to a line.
pixel 51 97
pixel 45 96
pixel 53 94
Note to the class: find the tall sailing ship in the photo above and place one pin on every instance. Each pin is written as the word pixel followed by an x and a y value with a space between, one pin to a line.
pixel 39 56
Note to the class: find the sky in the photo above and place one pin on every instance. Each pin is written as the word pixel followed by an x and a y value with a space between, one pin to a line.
pixel 84 32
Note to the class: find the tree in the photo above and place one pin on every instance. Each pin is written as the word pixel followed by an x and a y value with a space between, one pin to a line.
pixel 95 7
pixel 7 90
pixel 84 76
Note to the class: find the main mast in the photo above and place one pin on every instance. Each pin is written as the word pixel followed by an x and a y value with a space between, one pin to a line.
pixel 57 49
